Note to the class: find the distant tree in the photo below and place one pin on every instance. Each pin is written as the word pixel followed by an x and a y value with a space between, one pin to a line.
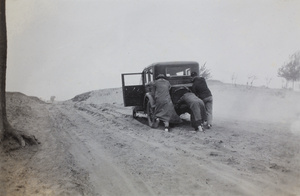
pixel 233 79
pixel 251 80
pixel 291 71
pixel 52 98
pixel 268 81
pixel 6 130
pixel 204 72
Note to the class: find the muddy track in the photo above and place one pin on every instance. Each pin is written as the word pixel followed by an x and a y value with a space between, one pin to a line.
pixel 123 156
pixel 90 141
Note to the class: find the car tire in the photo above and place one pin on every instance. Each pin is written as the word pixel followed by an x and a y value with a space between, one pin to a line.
pixel 150 116
pixel 134 115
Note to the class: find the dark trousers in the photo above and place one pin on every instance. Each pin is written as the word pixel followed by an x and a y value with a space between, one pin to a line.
pixel 208 102
pixel 197 108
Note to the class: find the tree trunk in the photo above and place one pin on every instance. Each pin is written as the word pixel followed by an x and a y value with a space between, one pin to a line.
pixel 6 130
pixel 293 84
pixel 3 54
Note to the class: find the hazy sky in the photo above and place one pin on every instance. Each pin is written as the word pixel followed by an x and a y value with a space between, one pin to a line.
pixel 68 47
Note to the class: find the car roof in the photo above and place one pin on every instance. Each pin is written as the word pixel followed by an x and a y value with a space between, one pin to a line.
pixel 174 63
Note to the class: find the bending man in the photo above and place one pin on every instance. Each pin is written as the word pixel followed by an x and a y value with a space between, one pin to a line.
pixel 202 91
pixel 196 106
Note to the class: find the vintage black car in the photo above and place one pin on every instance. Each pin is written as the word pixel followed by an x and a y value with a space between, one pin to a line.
pixel 139 95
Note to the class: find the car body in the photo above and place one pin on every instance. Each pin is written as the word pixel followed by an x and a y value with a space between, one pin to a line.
pixel 139 94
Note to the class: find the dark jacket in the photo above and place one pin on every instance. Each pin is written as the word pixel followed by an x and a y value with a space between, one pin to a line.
pixel 200 88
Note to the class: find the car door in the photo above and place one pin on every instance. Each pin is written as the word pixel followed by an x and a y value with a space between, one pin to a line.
pixel 133 89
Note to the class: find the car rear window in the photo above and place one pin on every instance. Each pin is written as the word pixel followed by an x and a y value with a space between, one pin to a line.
pixel 178 71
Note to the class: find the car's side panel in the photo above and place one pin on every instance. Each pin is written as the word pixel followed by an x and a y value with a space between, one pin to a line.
pixel 133 95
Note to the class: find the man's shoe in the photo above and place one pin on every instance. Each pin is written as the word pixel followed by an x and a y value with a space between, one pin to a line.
pixel 156 123
pixel 200 129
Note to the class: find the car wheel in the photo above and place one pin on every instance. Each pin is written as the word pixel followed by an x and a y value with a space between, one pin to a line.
pixel 150 115
pixel 134 115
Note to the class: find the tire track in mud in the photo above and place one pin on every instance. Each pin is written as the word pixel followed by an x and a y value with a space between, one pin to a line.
pixel 169 158
pixel 47 168
pixel 106 176
pixel 153 162
pixel 144 158
pixel 64 141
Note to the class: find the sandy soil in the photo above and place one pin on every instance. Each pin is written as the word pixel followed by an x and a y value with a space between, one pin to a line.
pixel 91 145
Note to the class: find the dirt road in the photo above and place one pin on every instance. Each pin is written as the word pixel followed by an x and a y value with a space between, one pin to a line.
pixel 92 148
pixel 124 156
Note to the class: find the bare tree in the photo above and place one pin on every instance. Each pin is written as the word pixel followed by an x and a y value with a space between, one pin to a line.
pixel 52 98
pixel 268 81
pixel 291 71
pixel 233 79
pixel 251 80
pixel 204 72
pixel 6 130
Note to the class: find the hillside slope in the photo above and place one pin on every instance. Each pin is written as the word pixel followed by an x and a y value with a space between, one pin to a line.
pixel 91 145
